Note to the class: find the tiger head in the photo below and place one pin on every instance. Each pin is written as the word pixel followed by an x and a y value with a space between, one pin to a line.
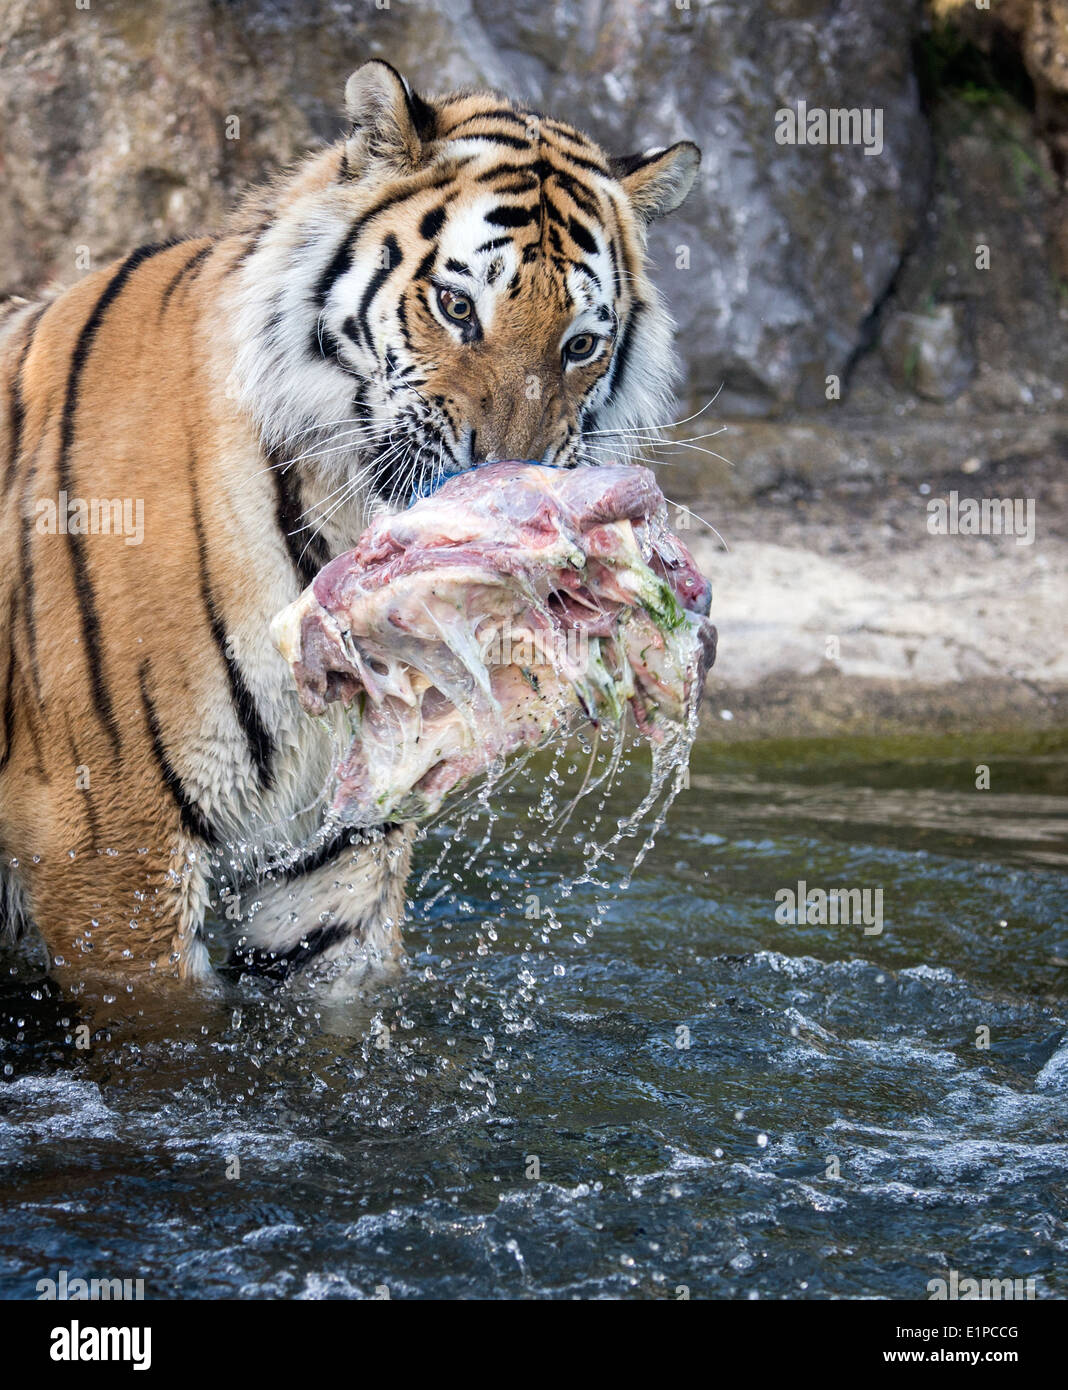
pixel 456 281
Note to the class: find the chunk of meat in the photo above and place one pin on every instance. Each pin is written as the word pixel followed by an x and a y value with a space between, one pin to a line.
pixel 515 602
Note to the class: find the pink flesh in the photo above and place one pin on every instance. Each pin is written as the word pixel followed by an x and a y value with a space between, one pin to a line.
pixel 530 548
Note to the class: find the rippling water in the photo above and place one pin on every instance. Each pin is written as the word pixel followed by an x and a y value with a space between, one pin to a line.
pixel 686 1095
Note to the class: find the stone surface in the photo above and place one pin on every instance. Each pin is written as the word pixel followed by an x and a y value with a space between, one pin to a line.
pixel 115 124
pixel 928 353
pixel 121 123
pixel 841 609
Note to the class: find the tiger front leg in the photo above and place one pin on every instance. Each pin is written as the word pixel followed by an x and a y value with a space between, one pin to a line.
pixel 335 914
pixel 125 915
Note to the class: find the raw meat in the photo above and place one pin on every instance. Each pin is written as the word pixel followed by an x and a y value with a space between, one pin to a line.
pixel 499 613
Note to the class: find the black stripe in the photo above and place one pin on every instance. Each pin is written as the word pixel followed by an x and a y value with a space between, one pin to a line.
pixel 554 213
pixel 19 598
pixel 512 141
pixel 503 114
pixel 402 320
pixel 623 351
pixel 377 280
pixel 329 850
pixel 578 160
pixel 280 965
pixel 83 583
pixel 515 186
pixel 581 196
pixel 584 266
pixel 31 726
pixel 566 132
pixel 581 237
pixel 627 258
pixel 361 411
pixel 629 265
pixel 308 557
pixel 190 268
pixel 251 246
pixel 500 171
pixel 18 405
pixel 511 216
pixel 614 255
pixel 324 343
pixel 341 260
pixel 27 584
pixel 432 223
pixel 259 741
pixel 426 265
pixel 9 690
pixel 423 116
pixel 191 816
pixel 626 164
pixel 543 169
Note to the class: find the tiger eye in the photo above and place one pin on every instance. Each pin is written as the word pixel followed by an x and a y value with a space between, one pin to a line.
pixel 456 306
pixel 581 346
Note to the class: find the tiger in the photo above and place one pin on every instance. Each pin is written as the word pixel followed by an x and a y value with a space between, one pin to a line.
pixel 190 433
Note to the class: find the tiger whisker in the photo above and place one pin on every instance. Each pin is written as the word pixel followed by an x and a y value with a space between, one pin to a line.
pixel 283 464
pixel 673 424
pixel 699 449
pixel 349 444
pixel 608 450
pixel 351 487
pixel 322 501
pixel 701 519
pixel 330 513
pixel 659 441
pixel 326 425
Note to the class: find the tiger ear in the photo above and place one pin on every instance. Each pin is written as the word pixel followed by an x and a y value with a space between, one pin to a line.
pixel 390 123
pixel 657 182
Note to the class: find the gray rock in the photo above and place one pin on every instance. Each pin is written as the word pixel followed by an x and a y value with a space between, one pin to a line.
pixel 928 353
pixel 116 126
pixel 124 123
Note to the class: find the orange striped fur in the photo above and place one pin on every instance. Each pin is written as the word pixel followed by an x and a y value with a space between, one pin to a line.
pixel 453 281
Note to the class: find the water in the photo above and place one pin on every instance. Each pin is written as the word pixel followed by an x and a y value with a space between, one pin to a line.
pixel 536 1125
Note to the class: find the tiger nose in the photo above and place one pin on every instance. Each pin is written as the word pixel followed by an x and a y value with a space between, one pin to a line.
pixel 511 423
pixel 483 449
